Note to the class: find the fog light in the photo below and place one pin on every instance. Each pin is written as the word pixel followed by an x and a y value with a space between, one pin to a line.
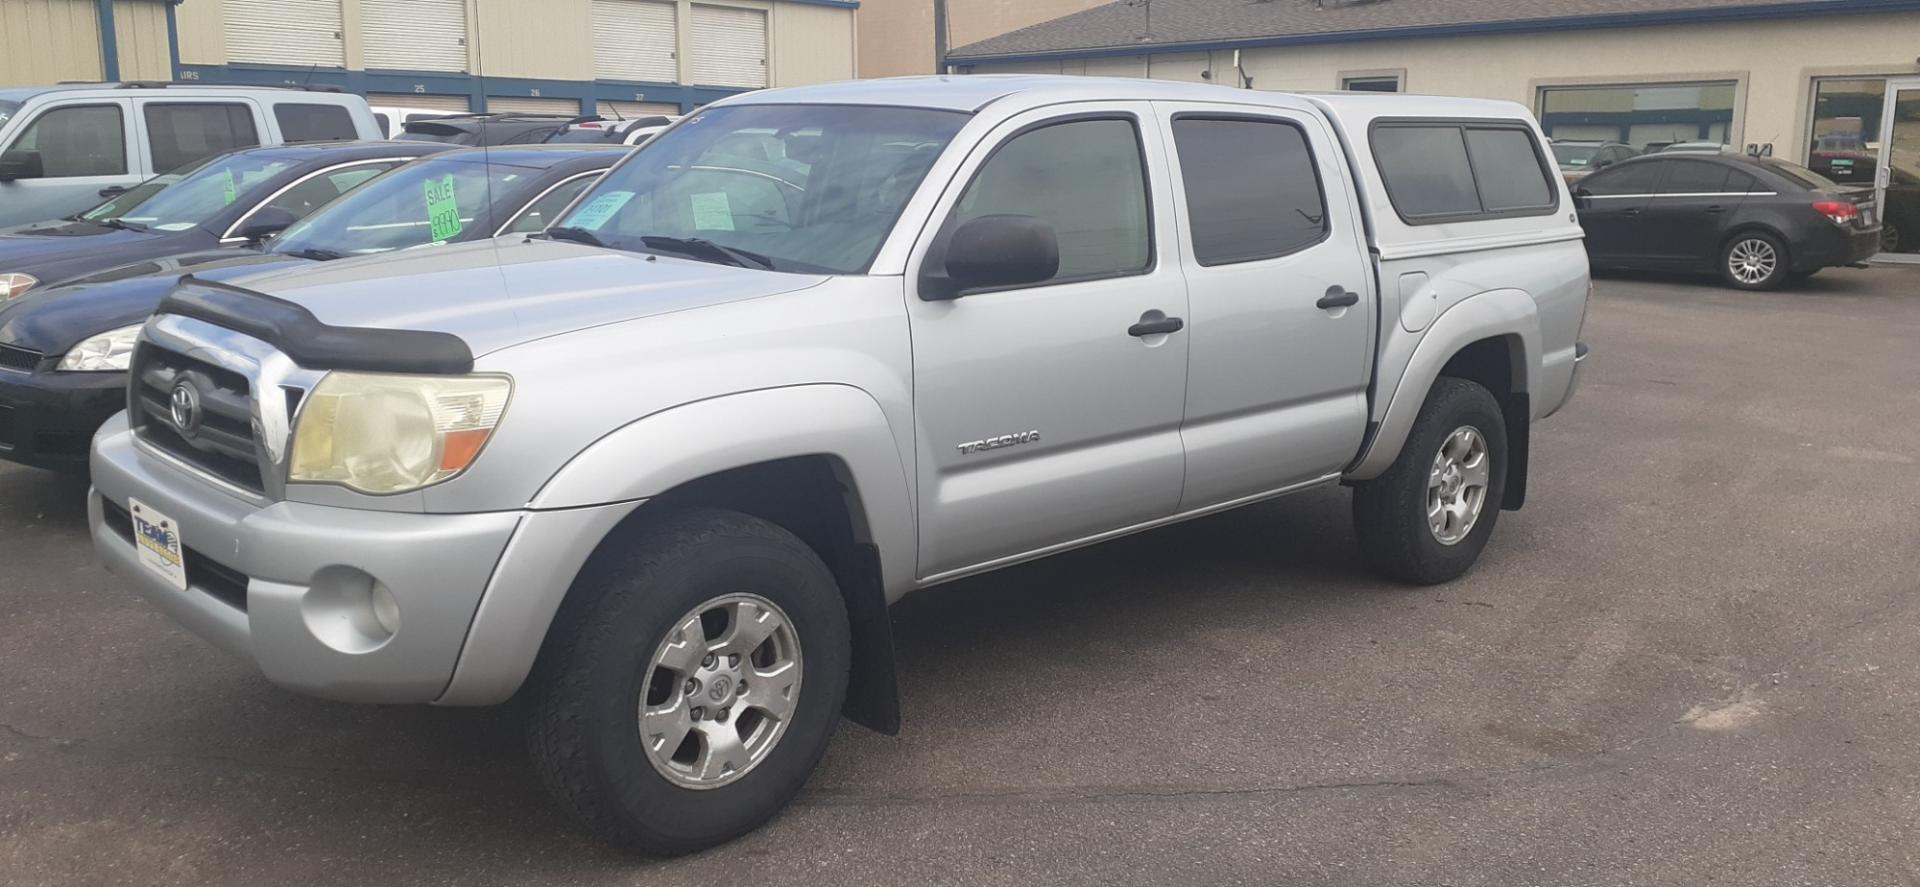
pixel 350 611
pixel 386 610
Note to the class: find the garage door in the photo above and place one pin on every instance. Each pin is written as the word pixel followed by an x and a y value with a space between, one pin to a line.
pixel 729 46
pixel 285 32
pixel 631 110
pixel 452 104
pixel 516 105
pixel 635 40
pixel 414 35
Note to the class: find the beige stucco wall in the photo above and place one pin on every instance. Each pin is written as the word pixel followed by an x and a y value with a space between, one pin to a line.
pixel 811 44
pixel 896 36
pixel 140 30
pixel 1772 63
pixel 46 41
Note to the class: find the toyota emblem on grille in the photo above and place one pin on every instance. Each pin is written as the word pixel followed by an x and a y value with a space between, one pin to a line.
pixel 185 407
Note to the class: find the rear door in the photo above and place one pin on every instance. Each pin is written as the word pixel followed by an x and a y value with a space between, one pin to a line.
pixel 1611 203
pixel 1048 413
pixel 66 157
pixel 176 133
pixel 1685 220
pixel 1278 298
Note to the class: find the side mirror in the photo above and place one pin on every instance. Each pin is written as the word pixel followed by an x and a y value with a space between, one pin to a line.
pixel 1602 164
pixel 21 165
pixel 266 222
pixel 995 251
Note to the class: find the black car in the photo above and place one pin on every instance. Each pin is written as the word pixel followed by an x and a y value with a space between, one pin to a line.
pixel 1757 221
pixel 64 350
pixel 231 199
pixel 485 130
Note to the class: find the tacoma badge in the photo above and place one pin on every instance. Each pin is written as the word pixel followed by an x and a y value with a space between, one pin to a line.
pixel 994 443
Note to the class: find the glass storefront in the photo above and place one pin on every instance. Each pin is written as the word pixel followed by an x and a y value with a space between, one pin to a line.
pixel 1646 117
pixel 1844 145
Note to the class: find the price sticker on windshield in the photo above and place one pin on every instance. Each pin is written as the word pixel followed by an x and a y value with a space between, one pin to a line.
pixel 230 190
pixel 599 210
pixel 443 211
pixel 712 212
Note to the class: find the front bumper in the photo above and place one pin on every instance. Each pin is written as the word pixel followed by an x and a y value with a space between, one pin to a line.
pixel 279 583
pixel 48 418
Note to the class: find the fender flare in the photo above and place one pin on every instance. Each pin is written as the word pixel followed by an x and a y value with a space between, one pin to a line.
pixel 1501 313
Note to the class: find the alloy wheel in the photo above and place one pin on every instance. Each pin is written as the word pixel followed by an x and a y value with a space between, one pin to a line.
pixel 1457 485
pixel 720 691
pixel 1752 261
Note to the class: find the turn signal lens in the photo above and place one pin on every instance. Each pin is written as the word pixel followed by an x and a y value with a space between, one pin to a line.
pixel 13 286
pixel 385 434
pixel 1840 212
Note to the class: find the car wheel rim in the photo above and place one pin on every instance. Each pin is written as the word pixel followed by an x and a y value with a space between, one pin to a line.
pixel 1889 238
pixel 720 691
pixel 1752 260
pixel 1457 486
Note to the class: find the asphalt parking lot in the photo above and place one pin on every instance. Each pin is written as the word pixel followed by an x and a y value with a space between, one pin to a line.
pixel 1689 660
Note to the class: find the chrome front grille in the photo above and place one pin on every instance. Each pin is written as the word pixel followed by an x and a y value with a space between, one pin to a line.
pixel 217 436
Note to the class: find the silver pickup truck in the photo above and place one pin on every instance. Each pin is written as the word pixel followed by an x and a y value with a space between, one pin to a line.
pixel 661 470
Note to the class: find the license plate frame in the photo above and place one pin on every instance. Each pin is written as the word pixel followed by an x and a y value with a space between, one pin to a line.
pixel 156 537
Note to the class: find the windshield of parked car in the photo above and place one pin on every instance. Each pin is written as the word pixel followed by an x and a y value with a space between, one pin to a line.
pixel 7 110
pixel 584 135
pixel 194 193
pixel 811 188
pixel 431 200
pixel 1799 174
pixel 1574 155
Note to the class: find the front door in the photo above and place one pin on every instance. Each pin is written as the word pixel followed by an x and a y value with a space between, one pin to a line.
pixel 1611 204
pixel 1687 217
pixel 1049 413
pixel 1897 180
pixel 66 158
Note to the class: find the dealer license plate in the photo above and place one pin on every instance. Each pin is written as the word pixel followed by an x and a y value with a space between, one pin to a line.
pixel 158 539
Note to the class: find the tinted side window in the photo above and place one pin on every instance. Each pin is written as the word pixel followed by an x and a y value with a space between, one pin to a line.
pixel 179 134
pixel 1252 190
pixel 304 198
pixel 544 211
pixel 88 140
pixel 1740 183
pixel 1084 178
pixel 1629 178
pixel 1507 166
pixel 1684 177
pixel 1426 170
pixel 314 123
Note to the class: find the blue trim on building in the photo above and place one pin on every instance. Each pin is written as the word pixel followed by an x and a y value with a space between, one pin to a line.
pixel 842 4
pixel 109 41
pixel 173 38
pixel 1803 9
pixel 475 88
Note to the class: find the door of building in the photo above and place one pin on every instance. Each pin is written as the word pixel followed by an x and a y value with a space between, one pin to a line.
pixel 1897 181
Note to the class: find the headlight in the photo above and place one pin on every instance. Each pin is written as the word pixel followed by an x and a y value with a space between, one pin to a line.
pixel 13 286
pixel 104 353
pixel 385 434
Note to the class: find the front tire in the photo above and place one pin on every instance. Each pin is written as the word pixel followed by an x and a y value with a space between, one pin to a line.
pixel 1754 260
pixel 691 682
pixel 1426 520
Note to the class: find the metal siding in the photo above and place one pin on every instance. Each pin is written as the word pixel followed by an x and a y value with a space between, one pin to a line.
pixel 203 37
pixel 414 35
pixel 635 40
pixel 524 105
pixel 630 110
pixel 729 46
pixel 49 41
pixel 140 29
pixel 811 44
pixel 534 39
pixel 285 32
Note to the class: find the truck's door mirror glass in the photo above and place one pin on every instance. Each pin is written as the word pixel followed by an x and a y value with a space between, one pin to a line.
pixel 20 165
pixel 999 251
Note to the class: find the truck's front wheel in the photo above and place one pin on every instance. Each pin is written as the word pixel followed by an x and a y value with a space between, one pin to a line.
pixel 1426 519
pixel 692 682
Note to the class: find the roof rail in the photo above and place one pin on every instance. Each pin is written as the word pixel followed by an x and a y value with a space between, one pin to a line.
pixel 166 84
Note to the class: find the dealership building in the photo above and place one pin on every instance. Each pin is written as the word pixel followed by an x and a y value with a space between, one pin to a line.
pixel 1806 80
pixel 560 56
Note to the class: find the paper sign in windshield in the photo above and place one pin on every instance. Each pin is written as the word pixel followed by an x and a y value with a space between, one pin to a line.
pixel 599 210
pixel 443 211
pixel 711 212
pixel 231 191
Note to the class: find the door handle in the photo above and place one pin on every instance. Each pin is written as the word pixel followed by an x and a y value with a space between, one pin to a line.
pixel 1630 211
pixel 1716 208
pixel 1159 327
pixel 1337 298
pixel 114 191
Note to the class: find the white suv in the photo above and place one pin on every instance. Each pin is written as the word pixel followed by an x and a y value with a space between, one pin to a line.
pixel 66 148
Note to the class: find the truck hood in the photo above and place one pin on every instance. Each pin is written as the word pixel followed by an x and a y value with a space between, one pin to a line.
pixel 498 293
pixel 52 320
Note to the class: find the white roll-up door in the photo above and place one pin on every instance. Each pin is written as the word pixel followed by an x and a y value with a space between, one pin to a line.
pixel 285 32
pixel 632 110
pixel 517 105
pixel 452 104
pixel 729 46
pixel 414 35
pixel 635 40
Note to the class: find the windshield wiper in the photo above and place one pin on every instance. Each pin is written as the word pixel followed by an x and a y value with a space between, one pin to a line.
pixel 695 246
pixel 315 253
pixel 122 224
pixel 577 235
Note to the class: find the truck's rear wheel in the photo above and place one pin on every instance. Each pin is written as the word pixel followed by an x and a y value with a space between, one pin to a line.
pixel 1427 518
pixel 692 682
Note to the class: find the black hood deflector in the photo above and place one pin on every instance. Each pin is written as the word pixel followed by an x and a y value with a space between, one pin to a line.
pixel 312 344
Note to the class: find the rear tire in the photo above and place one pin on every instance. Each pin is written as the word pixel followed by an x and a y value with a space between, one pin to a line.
pixel 1393 514
pixel 634 641
pixel 1753 260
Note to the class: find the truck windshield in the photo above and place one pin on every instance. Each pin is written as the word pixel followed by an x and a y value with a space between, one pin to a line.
pixel 194 193
pixel 433 200
pixel 812 188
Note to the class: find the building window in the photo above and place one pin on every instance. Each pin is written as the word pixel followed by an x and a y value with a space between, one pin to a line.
pixel 1649 117
pixel 1372 83
pixel 1845 142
